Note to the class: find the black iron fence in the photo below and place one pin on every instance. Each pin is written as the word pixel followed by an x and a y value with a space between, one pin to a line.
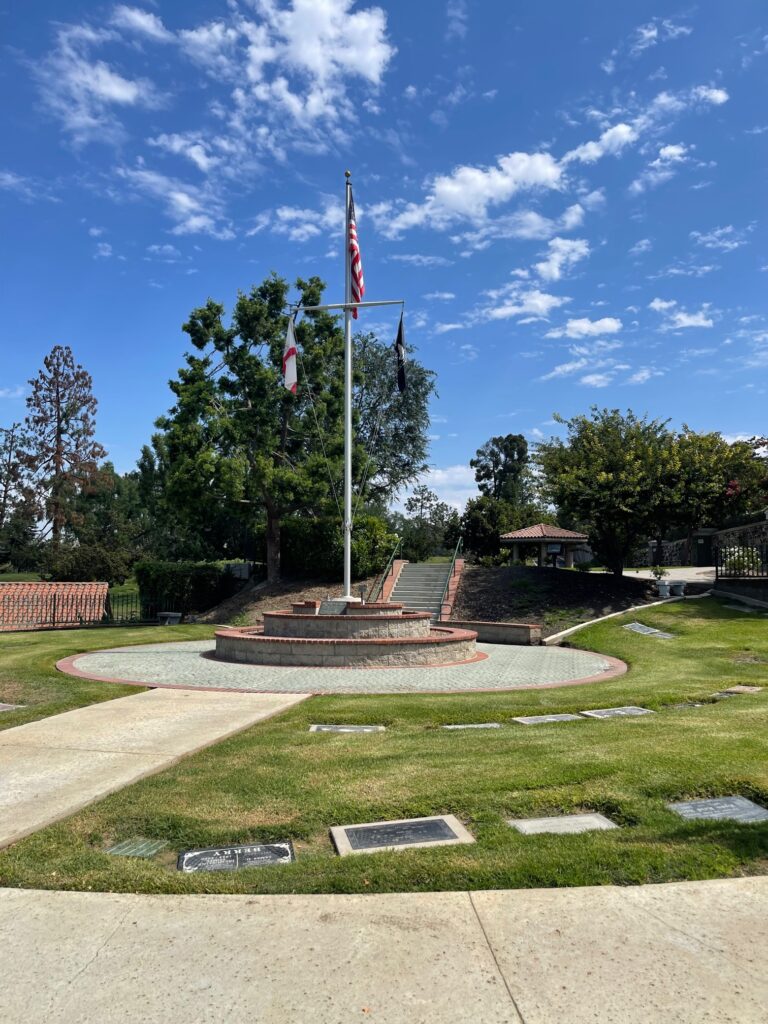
pixel 741 561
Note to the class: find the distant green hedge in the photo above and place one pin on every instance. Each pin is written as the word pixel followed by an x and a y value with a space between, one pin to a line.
pixel 184 586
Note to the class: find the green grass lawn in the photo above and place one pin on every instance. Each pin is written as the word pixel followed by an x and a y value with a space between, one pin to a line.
pixel 19 577
pixel 28 673
pixel 277 781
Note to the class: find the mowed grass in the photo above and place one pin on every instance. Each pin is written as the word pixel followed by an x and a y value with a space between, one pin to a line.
pixel 28 673
pixel 277 781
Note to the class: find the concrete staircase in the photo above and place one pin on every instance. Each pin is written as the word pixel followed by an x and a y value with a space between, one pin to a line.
pixel 420 586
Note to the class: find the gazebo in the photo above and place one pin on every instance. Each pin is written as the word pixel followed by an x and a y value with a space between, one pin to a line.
pixel 552 540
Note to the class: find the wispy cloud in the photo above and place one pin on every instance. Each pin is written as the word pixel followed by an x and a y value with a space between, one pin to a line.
pixel 677 318
pixel 583 327
pixel 724 239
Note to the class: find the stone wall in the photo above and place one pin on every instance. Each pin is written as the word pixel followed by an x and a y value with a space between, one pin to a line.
pixel 358 626
pixel 520 633
pixel 25 606
pixel 752 534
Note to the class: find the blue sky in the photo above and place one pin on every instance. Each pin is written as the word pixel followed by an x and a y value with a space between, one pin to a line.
pixel 570 197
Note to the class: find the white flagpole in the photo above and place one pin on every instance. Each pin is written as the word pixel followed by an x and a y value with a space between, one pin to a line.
pixel 347 402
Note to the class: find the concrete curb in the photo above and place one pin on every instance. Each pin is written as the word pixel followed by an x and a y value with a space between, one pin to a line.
pixel 556 638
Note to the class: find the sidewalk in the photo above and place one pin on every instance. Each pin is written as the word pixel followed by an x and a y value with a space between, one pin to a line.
pixel 685 952
pixel 53 767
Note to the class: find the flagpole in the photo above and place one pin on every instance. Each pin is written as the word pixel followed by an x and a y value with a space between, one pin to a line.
pixel 347 400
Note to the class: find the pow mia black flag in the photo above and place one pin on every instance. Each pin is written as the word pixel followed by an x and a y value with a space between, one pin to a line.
pixel 400 353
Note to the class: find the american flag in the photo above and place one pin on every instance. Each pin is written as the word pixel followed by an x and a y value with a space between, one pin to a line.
pixel 355 263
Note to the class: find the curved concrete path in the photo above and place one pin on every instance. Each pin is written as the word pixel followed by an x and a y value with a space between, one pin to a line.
pixel 51 768
pixel 684 952
pixel 190 665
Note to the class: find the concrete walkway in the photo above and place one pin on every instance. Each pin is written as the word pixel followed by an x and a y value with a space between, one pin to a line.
pixel 52 768
pixel 685 952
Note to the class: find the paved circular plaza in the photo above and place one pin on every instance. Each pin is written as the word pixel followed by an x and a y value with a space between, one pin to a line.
pixel 190 665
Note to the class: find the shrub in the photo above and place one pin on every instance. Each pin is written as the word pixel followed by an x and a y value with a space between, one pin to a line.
pixel 184 586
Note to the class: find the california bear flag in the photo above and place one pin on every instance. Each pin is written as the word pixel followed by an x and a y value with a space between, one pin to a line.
pixel 289 359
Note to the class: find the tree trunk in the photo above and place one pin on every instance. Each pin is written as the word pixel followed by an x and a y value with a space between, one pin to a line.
pixel 617 566
pixel 273 546
pixel 658 558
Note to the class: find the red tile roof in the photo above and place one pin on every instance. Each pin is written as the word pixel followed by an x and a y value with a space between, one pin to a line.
pixel 542 531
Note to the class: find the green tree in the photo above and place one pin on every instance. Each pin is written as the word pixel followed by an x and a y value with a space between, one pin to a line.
pixel 485 519
pixel 61 453
pixel 501 466
pixel 238 448
pixel 610 477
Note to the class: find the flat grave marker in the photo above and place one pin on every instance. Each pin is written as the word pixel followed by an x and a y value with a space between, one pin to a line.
pixel 475 725
pixel 741 688
pixel 138 847
pixel 722 808
pixel 400 834
pixel 11 707
pixel 347 728
pixel 638 627
pixel 625 712
pixel 232 858
pixel 542 719
pixel 562 824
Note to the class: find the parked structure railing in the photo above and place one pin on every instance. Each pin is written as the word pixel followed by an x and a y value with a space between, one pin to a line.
pixel 377 588
pixel 443 603
pixel 741 561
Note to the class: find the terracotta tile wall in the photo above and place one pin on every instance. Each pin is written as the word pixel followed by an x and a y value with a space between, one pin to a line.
pixel 50 605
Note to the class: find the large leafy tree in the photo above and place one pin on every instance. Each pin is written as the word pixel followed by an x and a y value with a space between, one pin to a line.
pixel 61 453
pixel 501 467
pixel 19 511
pixel 238 447
pixel 611 477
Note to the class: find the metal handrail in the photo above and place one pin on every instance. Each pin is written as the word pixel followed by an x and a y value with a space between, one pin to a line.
pixel 376 590
pixel 457 551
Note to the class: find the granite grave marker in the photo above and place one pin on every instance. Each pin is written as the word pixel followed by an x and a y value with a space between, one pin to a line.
pixel 404 833
pixel 723 808
pixel 231 858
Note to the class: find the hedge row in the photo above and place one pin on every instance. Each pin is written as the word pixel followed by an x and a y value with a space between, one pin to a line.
pixel 184 586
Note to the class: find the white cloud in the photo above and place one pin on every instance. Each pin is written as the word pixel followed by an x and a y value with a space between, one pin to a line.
pixel 417 259
pixel 611 142
pixel 440 296
pixel 447 328
pixel 103 251
pixel 452 484
pixel 562 254
pixel 566 369
pixel 167 253
pixel 457 19
pixel 665 166
pixel 143 23
pixel 643 375
pixel 17 392
pixel 82 93
pixel 596 380
pixel 582 327
pixel 194 210
pixel 299 225
pixel 28 189
pixel 677 318
pixel 189 145
pixel 468 193
pixel 725 239
pixel 519 300
pixel 641 247
pixel 708 94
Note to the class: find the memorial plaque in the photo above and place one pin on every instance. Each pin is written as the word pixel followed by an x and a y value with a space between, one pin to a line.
pixel 347 728
pixel 331 607
pixel 231 858
pixel 563 824
pixel 542 719
pixel 625 712
pixel 724 808
pixel 11 707
pixel 638 627
pixel 138 847
pixel 374 836
pixel 475 725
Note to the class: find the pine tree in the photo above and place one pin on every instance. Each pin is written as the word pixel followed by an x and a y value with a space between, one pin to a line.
pixel 61 454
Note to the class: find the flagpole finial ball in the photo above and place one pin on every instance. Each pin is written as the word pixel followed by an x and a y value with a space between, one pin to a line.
pixel 347 174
